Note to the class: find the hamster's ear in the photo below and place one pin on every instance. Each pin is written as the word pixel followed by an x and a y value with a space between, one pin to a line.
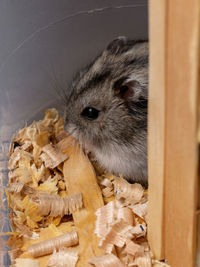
pixel 128 89
pixel 117 45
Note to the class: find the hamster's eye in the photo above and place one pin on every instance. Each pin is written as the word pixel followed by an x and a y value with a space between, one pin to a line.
pixel 90 113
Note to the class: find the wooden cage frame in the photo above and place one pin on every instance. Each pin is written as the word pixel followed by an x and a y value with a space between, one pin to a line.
pixel 173 116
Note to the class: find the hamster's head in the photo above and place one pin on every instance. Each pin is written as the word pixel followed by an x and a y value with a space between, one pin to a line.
pixel 108 99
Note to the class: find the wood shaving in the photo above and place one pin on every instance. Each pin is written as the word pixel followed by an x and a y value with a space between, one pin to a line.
pixel 47 247
pixel 140 210
pixel 127 193
pixel 14 253
pixel 52 156
pixel 16 156
pixel 39 174
pixel 50 185
pixel 106 187
pixel 54 205
pixel 117 235
pixel 27 145
pixel 126 215
pixel 23 173
pixel 15 187
pixel 65 257
pixel 120 228
pixel 64 143
pixel 134 249
pixel 107 260
pixel 38 195
pixel 144 261
pixel 30 177
pixel 105 216
pixel 161 263
pixel 139 230
pixel 26 263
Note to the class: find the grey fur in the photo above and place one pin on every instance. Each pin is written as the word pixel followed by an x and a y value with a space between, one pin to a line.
pixel 118 137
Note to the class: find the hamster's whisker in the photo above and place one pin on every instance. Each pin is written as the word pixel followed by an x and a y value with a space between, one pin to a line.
pixel 86 154
pixel 59 93
pixel 80 145
pixel 75 151
pixel 59 85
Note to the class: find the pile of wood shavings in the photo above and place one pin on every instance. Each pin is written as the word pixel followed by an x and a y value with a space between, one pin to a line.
pixel 36 191
pixel 41 206
pixel 121 227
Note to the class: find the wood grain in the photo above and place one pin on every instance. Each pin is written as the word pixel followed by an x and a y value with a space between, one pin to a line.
pixel 156 126
pixel 172 133
pixel 80 177
pixel 181 132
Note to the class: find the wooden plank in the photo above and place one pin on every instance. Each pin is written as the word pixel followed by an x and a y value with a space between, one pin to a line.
pixel 80 177
pixel 156 126
pixel 198 240
pixel 181 132
pixel 198 211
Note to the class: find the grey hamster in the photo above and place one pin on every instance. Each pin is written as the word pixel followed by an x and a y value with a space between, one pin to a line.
pixel 106 109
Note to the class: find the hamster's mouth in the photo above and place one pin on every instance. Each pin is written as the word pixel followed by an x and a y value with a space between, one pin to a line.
pixel 71 129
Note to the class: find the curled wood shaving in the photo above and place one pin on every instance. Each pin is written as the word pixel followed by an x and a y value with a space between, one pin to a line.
pixel 107 187
pixel 42 137
pixel 23 173
pixel 144 261
pixel 23 229
pixel 63 144
pixel 14 253
pixel 47 247
pixel 121 222
pixel 14 158
pixel 50 185
pixel 26 263
pixel 134 249
pixel 51 116
pixel 126 215
pixel 106 260
pixel 28 190
pixel 106 182
pixel 65 257
pixel 117 235
pixel 61 185
pixel 52 156
pixel 139 230
pixel 15 187
pixel 55 205
pixel 128 260
pixel 38 174
pixel 161 263
pixel 107 192
pixel 111 213
pixel 12 176
pixel 105 216
pixel 140 209
pixel 127 193
pixel 27 144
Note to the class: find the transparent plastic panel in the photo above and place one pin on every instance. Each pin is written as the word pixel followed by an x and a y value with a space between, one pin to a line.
pixel 43 44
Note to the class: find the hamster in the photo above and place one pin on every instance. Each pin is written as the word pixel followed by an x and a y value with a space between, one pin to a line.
pixel 106 109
